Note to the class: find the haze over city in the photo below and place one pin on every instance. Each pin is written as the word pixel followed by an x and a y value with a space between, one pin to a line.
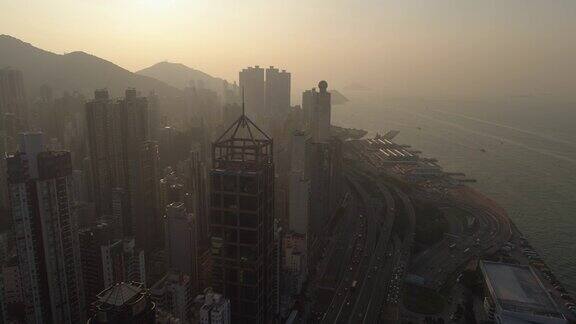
pixel 477 48
pixel 287 162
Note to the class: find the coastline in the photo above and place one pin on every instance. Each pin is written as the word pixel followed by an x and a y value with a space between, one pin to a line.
pixel 497 238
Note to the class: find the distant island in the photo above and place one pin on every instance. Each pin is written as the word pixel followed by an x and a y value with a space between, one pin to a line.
pixel 338 98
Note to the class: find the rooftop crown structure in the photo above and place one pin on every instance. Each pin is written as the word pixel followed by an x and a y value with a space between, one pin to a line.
pixel 243 146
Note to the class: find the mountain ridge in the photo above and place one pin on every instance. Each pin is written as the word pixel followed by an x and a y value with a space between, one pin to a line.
pixel 74 71
pixel 180 76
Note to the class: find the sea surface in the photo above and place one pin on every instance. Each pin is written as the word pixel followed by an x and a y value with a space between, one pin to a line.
pixel 521 150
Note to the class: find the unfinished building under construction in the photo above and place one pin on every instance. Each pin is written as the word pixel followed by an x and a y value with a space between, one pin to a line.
pixel 242 221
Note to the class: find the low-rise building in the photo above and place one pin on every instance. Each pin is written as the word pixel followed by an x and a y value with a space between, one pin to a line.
pixel 514 294
pixel 124 303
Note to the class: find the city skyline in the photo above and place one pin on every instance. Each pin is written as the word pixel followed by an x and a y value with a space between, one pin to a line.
pixel 221 223
pixel 477 48
pixel 334 161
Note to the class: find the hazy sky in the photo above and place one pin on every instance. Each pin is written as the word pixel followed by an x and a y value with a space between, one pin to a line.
pixel 418 47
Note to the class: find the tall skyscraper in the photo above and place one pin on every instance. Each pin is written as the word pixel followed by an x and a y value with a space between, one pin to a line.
pixel 40 190
pixel 324 159
pixel 132 114
pixel 120 220
pixel 153 116
pixel 13 95
pixel 99 121
pixel 277 93
pixel 67 121
pixel 181 240
pixel 196 183
pixel 196 200
pixel 252 83
pixel 308 99
pixel 13 112
pixel 299 186
pixel 242 221
pixel 203 103
pixel 230 93
pixel 93 242
pixel 145 198
pixel 124 165
pixel 320 113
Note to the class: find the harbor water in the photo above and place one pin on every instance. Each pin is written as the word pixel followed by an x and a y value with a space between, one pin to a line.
pixel 522 151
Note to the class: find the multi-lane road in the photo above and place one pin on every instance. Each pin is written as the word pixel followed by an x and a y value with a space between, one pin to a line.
pixel 440 262
pixel 362 275
pixel 358 258
pixel 349 301
pixel 336 247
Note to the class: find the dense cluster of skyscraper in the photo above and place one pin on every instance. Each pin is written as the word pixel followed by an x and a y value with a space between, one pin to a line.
pixel 113 211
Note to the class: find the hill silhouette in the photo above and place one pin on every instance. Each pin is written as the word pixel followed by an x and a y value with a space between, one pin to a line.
pixel 76 71
pixel 338 98
pixel 180 76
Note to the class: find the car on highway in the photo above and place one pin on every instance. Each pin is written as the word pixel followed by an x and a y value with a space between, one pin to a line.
pixel 353 285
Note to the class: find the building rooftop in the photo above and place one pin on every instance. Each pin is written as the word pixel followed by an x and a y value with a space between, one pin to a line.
pixel 242 146
pixel 516 288
pixel 124 302
pixel 120 293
